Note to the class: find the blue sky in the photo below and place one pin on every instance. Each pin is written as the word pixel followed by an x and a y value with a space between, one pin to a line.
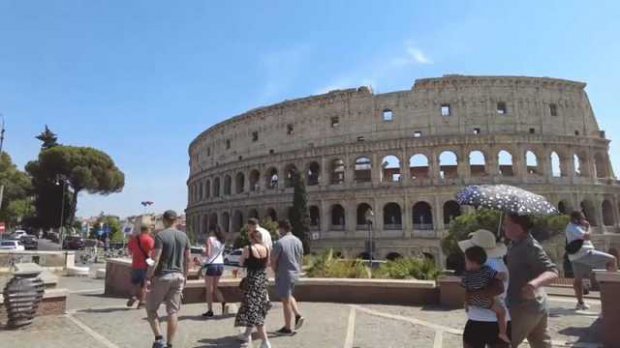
pixel 141 79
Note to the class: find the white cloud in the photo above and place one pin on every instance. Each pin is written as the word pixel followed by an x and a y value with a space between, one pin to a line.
pixel 418 56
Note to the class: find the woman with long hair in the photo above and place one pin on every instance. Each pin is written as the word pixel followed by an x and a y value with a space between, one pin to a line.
pixel 255 303
pixel 214 268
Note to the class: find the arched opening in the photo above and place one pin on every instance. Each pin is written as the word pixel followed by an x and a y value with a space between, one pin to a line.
pixel 505 163
pixel 577 163
pixel 226 222
pixel 237 221
pixel 253 213
pixel 608 213
pixel 600 164
pixel 337 171
pixel 204 228
pixel 216 187
pixel 363 168
pixel 393 256
pixel 254 180
pixel 477 164
pixel 390 169
pixel 360 216
pixel 227 185
pixel 418 167
pixel 392 217
pixel 422 214
pixel 587 207
pixel 200 191
pixel 564 207
pixel 212 221
pixel 556 168
pixel 315 217
pixel 240 182
pixel 271 214
pixel 448 165
pixel 338 220
pixel 314 170
pixel 429 257
pixel 451 209
pixel 208 189
pixel 289 171
pixel 531 162
pixel 271 178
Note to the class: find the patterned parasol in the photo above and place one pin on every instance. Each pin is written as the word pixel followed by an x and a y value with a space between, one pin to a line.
pixel 506 198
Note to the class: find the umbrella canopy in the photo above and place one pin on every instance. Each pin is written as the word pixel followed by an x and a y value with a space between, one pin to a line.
pixel 506 198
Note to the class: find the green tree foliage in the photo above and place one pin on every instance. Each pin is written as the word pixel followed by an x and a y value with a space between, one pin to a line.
pixel 326 265
pixel 16 203
pixel 113 222
pixel 83 168
pixel 408 268
pixel 48 138
pixel 267 224
pixel 300 215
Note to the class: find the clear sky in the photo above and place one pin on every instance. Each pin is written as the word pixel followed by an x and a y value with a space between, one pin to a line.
pixel 141 79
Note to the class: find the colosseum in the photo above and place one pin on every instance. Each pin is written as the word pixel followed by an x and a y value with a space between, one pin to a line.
pixel 404 155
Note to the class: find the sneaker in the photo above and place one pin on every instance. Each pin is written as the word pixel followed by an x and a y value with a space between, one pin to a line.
pixel 159 344
pixel 131 301
pixel 265 344
pixel 140 305
pixel 207 314
pixel 284 331
pixel 582 307
pixel 244 338
pixel 299 322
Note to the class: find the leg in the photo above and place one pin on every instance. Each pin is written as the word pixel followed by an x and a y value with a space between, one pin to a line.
pixel 262 333
pixel 612 265
pixel 522 323
pixel 500 311
pixel 216 290
pixel 539 335
pixel 294 306
pixel 288 312
pixel 173 304
pixel 209 288
pixel 578 286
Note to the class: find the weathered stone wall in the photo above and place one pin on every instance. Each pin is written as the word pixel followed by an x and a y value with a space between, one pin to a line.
pixel 445 133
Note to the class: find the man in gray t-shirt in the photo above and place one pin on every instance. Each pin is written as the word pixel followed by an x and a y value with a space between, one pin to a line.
pixel 166 277
pixel 286 261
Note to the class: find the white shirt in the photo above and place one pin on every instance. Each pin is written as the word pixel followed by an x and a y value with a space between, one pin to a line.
pixel 266 237
pixel 482 314
pixel 574 232
pixel 217 252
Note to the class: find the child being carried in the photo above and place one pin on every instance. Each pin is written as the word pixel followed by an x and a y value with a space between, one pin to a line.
pixel 478 277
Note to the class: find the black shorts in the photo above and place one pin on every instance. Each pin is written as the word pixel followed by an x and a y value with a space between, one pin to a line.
pixel 138 276
pixel 214 270
pixel 478 334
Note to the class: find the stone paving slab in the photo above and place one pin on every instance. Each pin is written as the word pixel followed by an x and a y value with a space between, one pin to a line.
pixel 372 331
pixel 49 332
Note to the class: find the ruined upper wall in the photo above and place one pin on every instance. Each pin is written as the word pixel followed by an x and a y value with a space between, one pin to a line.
pixel 474 104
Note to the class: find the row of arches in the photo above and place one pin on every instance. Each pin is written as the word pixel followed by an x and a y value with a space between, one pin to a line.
pixel 447 166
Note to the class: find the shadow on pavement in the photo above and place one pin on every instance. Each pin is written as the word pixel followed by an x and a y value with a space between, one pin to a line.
pixel 584 334
pixel 222 342
pixel 201 318
pixel 105 310
pixel 560 312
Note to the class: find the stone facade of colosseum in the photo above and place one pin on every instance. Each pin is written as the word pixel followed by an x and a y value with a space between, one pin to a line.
pixel 404 154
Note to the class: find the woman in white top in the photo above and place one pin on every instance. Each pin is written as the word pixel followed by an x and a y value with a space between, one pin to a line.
pixel 214 266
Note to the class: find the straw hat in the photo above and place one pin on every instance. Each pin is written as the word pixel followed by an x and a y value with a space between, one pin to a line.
pixel 486 240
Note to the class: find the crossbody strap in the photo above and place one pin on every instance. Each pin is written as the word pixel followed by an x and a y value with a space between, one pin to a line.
pixel 144 253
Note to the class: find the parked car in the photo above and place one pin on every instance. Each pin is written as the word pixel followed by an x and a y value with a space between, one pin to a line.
pixel 18 234
pixel 53 237
pixel 30 242
pixel 234 258
pixel 11 244
pixel 73 243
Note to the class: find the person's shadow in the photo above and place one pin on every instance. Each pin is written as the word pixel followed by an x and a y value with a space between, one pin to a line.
pixel 222 342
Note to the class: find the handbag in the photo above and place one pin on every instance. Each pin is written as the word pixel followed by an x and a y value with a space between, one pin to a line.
pixel 574 246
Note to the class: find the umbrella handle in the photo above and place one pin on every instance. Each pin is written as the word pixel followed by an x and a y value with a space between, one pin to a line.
pixel 499 228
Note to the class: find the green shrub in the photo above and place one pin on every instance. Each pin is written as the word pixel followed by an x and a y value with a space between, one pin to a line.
pixel 326 265
pixel 408 268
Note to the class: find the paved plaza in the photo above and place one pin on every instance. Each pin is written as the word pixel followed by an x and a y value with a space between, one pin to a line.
pixel 95 321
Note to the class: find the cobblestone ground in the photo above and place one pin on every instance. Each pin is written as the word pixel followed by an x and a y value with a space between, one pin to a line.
pixel 96 321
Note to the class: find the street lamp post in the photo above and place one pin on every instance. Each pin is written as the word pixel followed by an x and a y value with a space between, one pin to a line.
pixel 369 218
pixel 62 179
pixel 1 143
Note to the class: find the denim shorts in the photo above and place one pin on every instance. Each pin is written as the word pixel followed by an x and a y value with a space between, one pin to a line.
pixel 214 270
pixel 138 276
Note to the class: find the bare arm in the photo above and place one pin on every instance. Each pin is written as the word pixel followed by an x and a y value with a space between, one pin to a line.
pixel 186 259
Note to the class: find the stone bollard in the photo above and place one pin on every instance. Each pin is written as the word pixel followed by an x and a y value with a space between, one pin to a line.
pixel 609 283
